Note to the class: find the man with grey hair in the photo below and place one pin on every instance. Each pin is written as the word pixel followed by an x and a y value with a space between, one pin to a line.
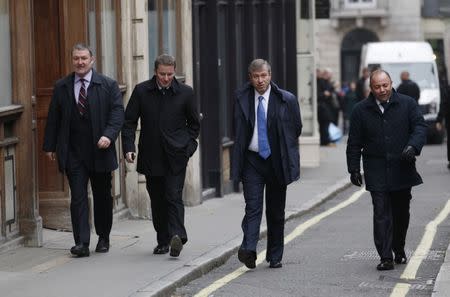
pixel 169 129
pixel 265 157
pixel 388 131
pixel 84 120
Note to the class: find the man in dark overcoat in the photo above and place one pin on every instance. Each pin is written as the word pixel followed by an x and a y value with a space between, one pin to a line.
pixel 84 120
pixel 168 138
pixel 443 117
pixel 265 157
pixel 408 87
pixel 388 130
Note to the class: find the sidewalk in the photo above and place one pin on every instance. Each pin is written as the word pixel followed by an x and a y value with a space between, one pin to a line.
pixel 130 268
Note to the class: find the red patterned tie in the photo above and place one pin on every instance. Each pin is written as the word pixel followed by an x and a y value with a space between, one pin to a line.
pixel 82 100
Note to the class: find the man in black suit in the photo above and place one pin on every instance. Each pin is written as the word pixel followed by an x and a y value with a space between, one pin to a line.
pixel 388 130
pixel 408 87
pixel 265 156
pixel 169 129
pixel 84 119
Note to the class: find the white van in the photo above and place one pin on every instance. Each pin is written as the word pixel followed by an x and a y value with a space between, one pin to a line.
pixel 419 60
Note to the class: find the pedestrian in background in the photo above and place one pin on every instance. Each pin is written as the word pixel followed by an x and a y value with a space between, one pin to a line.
pixel 388 130
pixel 361 84
pixel 443 117
pixel 350 99
pixel 84 120
pixel 265 157
pixel 324 109
pixel 168 138
pixel 408 87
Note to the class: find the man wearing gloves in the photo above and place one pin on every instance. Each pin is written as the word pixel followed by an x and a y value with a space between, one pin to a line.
pixel 389 131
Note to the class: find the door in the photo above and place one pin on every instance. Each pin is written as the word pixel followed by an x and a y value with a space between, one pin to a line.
pixel 57 26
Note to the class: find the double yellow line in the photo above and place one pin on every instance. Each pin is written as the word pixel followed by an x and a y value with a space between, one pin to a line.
pixel 295 233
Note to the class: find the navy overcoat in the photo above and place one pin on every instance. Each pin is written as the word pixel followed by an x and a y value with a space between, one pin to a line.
pixel 380 139
pixel 107 116
pixel 289 127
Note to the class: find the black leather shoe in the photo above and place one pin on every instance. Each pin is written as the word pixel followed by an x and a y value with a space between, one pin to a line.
pixel 102 246
pixel 385 265
pixel 247 257
pixel 176 245
pixel 161 249
pixel 275 264
pixel 400 259
pixel 80 250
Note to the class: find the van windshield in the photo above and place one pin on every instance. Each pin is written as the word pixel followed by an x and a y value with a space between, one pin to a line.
pixel 422 73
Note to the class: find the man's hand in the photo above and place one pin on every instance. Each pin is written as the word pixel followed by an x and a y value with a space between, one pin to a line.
pixel 356 178
pixel 103 143
pixel 51 156
pixel 439 126
pixel 130 156
pixel 408 154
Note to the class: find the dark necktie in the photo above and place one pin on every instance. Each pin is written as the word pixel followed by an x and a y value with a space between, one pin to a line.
pixel 384 104
pixel 263 141
pixel 82 99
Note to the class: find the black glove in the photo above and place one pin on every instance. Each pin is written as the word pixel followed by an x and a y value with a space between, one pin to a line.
pixel 356 178
pixel 408 154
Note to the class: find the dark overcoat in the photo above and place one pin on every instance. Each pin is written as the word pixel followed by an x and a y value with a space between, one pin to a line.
pixel 288 123
pixel 381 137
pixel 106 115
pixel 175 121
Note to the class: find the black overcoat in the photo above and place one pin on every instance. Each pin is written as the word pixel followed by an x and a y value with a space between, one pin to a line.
pixel 106 115
pixel 289 127
pixel 381 137
pixel 178 124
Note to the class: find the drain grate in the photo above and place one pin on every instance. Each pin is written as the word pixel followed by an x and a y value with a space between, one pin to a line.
pixel 433 255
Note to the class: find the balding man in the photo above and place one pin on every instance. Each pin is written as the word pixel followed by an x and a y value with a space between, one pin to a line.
pixel 388 130
pixel 408 87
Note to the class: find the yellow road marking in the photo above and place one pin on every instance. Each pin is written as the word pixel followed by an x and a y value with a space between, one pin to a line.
pixel 46 266
pixel 295 233
pixel 420 253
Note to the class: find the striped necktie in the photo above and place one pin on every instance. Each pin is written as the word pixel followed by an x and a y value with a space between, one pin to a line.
pixel 82 99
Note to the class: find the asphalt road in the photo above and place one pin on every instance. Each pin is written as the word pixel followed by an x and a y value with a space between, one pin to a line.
pixel 335 256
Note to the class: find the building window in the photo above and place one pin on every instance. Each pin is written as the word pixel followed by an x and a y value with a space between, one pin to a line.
pixel 103 35
pixel 360 3
pixel 163 30
pixel 5 55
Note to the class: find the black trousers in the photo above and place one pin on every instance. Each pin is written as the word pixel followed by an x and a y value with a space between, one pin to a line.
pixel 390 221
pixel 166 199
pixel 79 176
pixel 257 175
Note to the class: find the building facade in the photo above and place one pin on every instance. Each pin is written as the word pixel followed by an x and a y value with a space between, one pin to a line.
pixel 349 24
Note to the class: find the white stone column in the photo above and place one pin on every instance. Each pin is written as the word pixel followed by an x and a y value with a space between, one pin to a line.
pixel 135 70
pixel 192 194
pixel 306 85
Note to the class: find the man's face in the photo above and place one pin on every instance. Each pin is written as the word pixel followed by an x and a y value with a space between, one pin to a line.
pixel 381 86
pixel 260 79
pixel 164 75
pixel 82 62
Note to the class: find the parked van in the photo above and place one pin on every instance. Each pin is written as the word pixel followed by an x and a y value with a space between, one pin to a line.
pixel 419 60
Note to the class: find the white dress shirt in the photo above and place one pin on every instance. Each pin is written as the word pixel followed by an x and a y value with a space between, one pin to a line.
pixel 254 142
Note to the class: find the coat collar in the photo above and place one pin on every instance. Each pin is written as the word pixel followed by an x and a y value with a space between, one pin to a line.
pixel 372 102
pixel 152 85
pixel 246 94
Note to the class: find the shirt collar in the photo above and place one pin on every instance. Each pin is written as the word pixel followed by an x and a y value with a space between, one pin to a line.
pixel 87 77
pixel 266 94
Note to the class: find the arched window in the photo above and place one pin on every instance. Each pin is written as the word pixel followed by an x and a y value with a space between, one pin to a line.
pixel 351 52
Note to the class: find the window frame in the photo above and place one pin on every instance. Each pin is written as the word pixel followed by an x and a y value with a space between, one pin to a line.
pixel 98 41
pixel 360 4
pixel 179 71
